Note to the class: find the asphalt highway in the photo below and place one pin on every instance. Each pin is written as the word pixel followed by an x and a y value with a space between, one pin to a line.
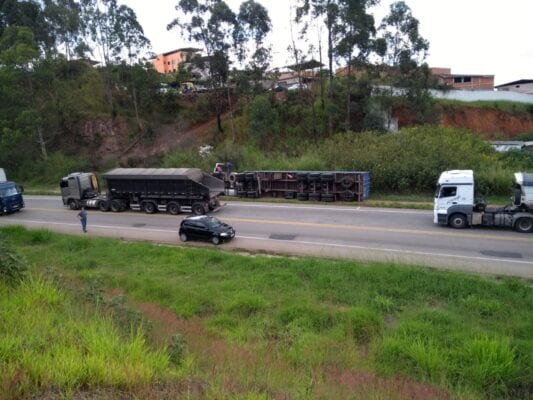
pixel 341 232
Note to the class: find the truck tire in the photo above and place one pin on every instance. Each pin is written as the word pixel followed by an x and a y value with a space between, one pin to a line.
pixel 149 207
pixel 116 205
pixel 173 208
pixel 183 237
pixel 328 197
pixel 458 221
pixel 103 206
pixel 348 195
pixel 346 182
pixel 524 225
pixel 314 196
pixel 73 204
pixel 198 209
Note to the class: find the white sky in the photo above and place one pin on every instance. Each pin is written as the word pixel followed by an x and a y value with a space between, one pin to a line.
pixel 493 37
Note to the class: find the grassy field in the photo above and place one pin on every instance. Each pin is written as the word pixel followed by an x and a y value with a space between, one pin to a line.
pixel 203 323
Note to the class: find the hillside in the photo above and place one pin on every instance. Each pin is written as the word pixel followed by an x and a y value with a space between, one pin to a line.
pixel 106 140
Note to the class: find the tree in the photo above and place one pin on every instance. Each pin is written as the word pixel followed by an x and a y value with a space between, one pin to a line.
pixel 403 50
pixel 64 23
pixel 253 25
pixel 356 30
pixel 218 29
pixel 112 29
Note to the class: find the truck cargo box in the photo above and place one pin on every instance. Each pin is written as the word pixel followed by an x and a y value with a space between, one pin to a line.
pixel 163 181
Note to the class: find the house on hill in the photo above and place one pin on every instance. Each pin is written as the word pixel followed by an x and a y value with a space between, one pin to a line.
pixel 463 81
pixel 167 63
pixel 520 86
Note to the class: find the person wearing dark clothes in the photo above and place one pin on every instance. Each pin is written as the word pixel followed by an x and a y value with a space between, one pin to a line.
pixel 82 215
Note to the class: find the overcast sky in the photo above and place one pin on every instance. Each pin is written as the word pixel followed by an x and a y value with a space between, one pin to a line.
pixel 491 37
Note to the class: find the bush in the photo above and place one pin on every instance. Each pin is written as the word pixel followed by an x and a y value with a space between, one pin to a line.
pixel 12 266
pixel 364 324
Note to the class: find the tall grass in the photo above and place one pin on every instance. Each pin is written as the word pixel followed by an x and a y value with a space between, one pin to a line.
pixel 299 328
pixel 47 342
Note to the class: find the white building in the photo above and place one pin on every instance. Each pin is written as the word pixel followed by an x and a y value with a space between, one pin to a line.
pixel 521 86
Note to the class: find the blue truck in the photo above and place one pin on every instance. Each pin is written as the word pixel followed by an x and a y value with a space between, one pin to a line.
pixel 10 197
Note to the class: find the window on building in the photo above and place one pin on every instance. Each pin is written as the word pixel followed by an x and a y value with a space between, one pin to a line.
pixel 467 79
pixel 457 79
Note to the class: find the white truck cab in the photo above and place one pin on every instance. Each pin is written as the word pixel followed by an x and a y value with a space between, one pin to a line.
pixel 455 203
pixel 455 194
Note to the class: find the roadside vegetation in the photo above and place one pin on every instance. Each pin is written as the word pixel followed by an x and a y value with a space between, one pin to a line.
pixel 255 327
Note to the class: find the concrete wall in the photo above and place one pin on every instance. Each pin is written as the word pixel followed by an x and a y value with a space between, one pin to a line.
pixel 482 95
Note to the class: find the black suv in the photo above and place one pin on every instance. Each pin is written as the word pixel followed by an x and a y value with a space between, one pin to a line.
pixel 204 227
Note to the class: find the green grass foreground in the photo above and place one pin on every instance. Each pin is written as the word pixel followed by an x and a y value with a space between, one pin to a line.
pixel 259 327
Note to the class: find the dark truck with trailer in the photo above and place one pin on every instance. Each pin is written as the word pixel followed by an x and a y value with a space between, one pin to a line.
pixel 171 190
pixel 327 186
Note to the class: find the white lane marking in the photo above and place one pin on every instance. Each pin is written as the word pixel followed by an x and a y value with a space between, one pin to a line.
pixel 348 246
pixel 288 207
pixel 420 253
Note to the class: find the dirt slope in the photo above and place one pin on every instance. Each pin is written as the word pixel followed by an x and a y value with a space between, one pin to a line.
pixel 490 122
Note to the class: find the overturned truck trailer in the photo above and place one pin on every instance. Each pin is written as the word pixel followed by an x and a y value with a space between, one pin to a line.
pixel 325 186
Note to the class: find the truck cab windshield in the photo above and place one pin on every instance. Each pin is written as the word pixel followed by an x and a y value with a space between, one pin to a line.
pixel 9 191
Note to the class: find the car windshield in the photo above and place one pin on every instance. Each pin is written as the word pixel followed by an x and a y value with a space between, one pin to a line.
pixel 8 191
pixel 212 222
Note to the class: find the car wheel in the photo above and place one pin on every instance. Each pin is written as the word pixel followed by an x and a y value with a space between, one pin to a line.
pixel 73 204
pixel 215 240
pixel 173 208
pixel 183 237
pixel 524 225
pixel 458 221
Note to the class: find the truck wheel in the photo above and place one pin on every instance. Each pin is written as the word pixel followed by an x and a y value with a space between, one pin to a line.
pixel 524 225
pixel 458 221
pixel 173 208
pixel 149 207
pixel 198 209
pixel 346 182
pixel 215 240
pixel 73 204
pixel 116 206
pixel 103 206
pixel 183 237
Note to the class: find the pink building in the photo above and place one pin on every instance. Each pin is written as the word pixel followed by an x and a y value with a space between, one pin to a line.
pixel 169 62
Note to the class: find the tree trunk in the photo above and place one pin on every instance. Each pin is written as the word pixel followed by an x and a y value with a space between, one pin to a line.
pixel 42 142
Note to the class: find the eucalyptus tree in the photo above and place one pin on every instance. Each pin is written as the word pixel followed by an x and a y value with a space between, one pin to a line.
pixel 403 51
pixel 356 31
pixel 113 29
pixel 328 11
pixel 64 23
pixel 20 120
pixel 253 25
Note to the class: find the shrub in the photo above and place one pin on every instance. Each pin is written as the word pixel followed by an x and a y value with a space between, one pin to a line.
pixel 12 266
pixel 489 364
pixel 364 324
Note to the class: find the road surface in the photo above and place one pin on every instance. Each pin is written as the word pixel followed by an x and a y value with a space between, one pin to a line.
pixel 359 233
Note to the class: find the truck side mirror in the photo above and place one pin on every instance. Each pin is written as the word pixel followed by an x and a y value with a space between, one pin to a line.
pixel 20 188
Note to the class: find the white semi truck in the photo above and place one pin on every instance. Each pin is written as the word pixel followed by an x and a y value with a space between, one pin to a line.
pixel 455 203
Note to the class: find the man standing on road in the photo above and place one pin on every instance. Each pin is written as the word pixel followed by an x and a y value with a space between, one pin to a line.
pixel 82 215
